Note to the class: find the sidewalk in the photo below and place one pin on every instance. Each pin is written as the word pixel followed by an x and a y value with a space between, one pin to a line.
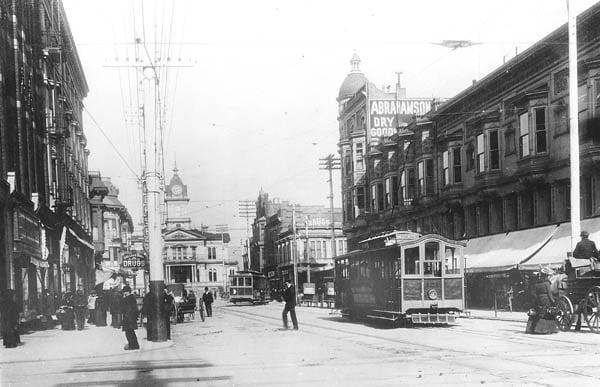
pixel 56 344
pixel 502 315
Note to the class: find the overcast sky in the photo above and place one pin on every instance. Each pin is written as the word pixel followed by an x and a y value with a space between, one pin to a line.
pixel 258 106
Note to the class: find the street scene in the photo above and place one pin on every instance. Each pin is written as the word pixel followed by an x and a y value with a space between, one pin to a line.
pixel 299 193
pixel 244 345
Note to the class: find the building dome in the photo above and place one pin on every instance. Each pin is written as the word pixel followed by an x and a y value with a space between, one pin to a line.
pixel 354 81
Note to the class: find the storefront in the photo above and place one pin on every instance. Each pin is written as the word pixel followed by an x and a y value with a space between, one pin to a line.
pixel 77 264
pixel 28 265
pixel 5 236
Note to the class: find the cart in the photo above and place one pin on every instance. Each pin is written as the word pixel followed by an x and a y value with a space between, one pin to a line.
pixel 581 295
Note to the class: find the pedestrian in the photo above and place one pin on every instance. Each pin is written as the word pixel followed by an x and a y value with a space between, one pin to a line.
pixel 67 319
pixel 91 305
pixel 115 308
pixel 585 248
pixel 146 312
pixel 289 296
pixel 130 314
pixel 541 318
pixel 80 303
pixel 100 309
pixel 208 299
pixel 167 312
pixel 9 319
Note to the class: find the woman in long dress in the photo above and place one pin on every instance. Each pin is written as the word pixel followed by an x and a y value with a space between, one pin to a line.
pixel 541 319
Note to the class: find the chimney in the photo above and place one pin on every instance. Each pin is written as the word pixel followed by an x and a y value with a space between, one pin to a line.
pixel 474 82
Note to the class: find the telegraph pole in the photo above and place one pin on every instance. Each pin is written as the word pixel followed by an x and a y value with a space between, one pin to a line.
pixel 247 209
pixel 573 126
pixel 295 249
pixel 331 163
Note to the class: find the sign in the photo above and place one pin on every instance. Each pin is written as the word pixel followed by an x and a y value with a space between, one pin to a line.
pixel 318 222
pixel 388 115
pixel 133 262
pixel 271 274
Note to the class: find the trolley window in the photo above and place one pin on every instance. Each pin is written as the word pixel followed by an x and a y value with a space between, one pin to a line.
pixel 248 281
pixel 411 261
pixel 233 281
pixel 452 264
pixel 432 265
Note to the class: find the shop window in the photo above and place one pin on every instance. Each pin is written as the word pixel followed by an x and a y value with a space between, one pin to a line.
pixel 527 209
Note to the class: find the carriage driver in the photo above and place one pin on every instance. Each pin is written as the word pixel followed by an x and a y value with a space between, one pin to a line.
pixel 585 248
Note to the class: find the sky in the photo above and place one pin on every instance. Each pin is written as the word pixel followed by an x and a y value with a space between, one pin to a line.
pixel 252 101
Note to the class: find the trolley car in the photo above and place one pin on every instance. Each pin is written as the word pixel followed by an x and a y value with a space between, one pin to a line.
pixel 411 279
pixel 581 294
pixel 248 286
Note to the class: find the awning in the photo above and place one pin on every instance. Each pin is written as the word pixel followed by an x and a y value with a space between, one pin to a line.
pixel 501 252
pixel 554 253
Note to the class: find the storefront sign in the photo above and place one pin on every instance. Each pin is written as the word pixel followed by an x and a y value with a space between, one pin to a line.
pixel 133 262
pixel 318 222
pixel 388 115
pixel 26 234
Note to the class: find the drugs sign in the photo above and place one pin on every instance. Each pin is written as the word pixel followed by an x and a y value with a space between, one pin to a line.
pixel 133 262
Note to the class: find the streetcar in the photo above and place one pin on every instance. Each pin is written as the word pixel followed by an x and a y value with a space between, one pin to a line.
pixel 403 278
pixel 248 286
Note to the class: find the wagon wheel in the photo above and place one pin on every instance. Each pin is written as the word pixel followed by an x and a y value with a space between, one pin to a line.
pixel 565 318
pixel 591 309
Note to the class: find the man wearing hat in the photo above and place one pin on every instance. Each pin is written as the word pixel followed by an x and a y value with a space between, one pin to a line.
pixel 289 296
pixel 585 248
pixel 130 314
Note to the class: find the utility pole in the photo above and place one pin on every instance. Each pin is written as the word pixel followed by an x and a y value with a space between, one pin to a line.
pixel 223 228
pixel 573 126
pixel 247 209
pixel 331 163
pixel 295 249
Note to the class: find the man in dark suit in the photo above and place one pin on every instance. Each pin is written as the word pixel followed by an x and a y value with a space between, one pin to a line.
pixel 585 248
pixel 208 299
pixel 130 314
pixel 289 296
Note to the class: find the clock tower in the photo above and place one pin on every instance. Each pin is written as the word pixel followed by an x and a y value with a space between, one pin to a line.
pixel 177 202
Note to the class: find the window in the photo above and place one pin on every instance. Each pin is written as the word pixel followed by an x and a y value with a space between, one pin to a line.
pixel 388 193
pixel 524 135
pixel 480 153
pixel 407 185
pixel 445 167
pixel 456 165
pixel 424 135
pixel 347 163
pixel 540 130
pixel 421 177
pixel 374 198
pixel 452 264
pixel 359 157
pixel 494 149
pixel 193 252
pixel 380 199
pixel 432 265
pixel 394 188
pixel 360 197
pixel 411 261
pixel 348 200
pixel 212 253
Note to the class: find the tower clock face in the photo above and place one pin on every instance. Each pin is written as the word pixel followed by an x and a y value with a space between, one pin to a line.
pixel 176 190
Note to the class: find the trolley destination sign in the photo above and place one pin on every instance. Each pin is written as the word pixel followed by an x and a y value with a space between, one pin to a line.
pixel 133 262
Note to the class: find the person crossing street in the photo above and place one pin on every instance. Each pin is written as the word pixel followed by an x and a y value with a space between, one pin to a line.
pixel 208 299
pixel 289 296
pixel 130 314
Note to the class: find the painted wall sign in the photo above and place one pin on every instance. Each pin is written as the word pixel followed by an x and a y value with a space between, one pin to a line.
pixel 387 115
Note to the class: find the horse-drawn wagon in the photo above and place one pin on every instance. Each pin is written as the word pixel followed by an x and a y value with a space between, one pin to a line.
pixel 580 296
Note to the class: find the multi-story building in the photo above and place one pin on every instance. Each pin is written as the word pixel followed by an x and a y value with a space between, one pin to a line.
pixel 194 257
pixel 112 226
pixel 275 245
pixel 43 155
pixel 490 166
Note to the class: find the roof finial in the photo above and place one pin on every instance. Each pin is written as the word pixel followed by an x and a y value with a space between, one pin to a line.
pixel 175 163
pixel 355 62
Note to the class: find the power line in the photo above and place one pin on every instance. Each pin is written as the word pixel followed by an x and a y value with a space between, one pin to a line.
pixel 110 142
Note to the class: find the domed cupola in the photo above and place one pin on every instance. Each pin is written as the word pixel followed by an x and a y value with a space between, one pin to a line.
pixel 354 81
